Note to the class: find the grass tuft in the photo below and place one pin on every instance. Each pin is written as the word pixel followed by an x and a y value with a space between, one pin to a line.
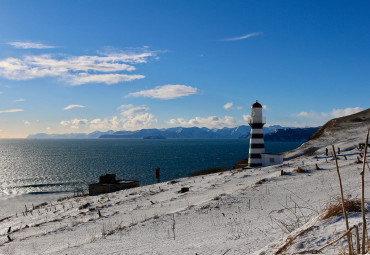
pixel 209 171
pixel 261 181
pixel 299 170
pixel 335 207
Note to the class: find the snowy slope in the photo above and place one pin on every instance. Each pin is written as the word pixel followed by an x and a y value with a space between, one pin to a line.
pixel 236 212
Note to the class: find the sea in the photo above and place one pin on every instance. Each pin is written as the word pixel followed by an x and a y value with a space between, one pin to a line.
pixel 42 170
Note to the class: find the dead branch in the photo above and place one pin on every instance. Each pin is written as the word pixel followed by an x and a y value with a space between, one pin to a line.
pixel 363 196
pixel 343 206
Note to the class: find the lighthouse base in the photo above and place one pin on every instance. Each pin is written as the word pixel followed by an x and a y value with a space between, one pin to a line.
pixel 255 164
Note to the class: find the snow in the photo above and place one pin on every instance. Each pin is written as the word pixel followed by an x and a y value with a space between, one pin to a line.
pixel 223 213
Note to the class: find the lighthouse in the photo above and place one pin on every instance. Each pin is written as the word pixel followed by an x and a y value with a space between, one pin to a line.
pixel 257 145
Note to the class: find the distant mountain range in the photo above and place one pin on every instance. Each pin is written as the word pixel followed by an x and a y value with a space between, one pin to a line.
pixel 186 133
pixel 291 135
pixel 272 133
pixel 95 134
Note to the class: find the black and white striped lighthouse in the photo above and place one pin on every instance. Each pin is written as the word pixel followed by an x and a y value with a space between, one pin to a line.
pixel 257 145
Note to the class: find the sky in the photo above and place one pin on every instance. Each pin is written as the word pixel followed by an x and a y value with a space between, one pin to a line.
pixel 81 66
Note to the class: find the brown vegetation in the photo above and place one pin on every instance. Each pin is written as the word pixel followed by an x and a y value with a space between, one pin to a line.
pixel 209 171
pixel 333 124
pixel 261 181
pixel 309 151
pixel 299 170
pixel 335 207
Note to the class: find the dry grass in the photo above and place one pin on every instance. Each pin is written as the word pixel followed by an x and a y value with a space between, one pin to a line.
pixel 155 216
pixel 209 171
pixel 309 151
pixel 261 181
pixel 368 245
pixel 84 206
pixel 335 207
pixel 299 170
pixel 290 240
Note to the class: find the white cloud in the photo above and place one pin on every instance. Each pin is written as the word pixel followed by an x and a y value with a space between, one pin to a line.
pixel 317 119
pixel 76 70
pixel 166 92
pixel 26 122
pixel 264 107
pixel 228 105
pixel 312 115
pixel 75 123
pixel 135 111
pixel 246 118
pixel 336 113
pixel 139 121
pixel 125 106
pixel 131 118
pixel 305 114
pixel 18 100
pixel 243 37
pixel 73 106
pixel 106 123
pixel 12 110
pixel 209 122
pixel 30 45
pixel 102 78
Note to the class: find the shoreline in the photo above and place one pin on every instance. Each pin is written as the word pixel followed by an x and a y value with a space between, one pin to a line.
pixel 219 209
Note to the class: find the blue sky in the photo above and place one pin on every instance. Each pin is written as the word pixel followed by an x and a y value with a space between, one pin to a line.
pixel 81 66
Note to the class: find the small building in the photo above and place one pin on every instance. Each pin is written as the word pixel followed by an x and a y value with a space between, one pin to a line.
pixel 108 183
pixel 269 159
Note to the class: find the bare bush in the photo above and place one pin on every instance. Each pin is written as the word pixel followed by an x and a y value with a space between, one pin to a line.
pixel 310 151
pixel 299 170
pixel 261 181
pixel 335 207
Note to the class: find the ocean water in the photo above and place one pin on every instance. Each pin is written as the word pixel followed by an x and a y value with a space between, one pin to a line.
pixel 43 170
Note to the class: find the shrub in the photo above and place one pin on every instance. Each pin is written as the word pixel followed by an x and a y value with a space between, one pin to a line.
pixel 209 171
pixel 84 206
pixel 310 151
pixel 261 181
pixel 299 170
pixel 335 207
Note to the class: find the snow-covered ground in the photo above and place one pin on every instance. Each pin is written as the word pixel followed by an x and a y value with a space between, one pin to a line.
pixel 236 212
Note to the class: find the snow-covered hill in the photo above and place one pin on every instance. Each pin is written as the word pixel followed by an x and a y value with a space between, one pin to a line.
pixel 244 211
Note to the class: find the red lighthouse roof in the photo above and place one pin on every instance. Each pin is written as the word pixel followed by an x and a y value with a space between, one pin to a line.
pixel 256 105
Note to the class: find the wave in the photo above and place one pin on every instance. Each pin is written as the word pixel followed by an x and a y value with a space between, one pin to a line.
pixel 41 185
pixel 48 192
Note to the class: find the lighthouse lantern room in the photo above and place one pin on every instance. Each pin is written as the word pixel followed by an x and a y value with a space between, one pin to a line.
pixel 256 146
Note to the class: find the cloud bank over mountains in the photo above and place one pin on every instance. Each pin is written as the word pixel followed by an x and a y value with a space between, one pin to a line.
pixel 130 118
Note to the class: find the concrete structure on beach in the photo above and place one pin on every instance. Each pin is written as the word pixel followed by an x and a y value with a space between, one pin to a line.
pixel 108 183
